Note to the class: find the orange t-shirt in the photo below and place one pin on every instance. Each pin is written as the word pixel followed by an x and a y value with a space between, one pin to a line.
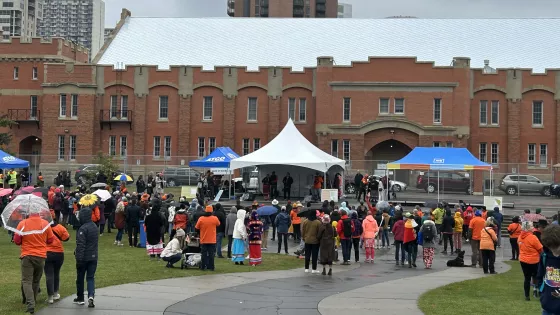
pixel 34 244
pixel 56 245
pixel 318 183
pixel 207 227
pixel 477 224
pixel 515 230
pixel 529 248
pixel 295 218
pixel 487 239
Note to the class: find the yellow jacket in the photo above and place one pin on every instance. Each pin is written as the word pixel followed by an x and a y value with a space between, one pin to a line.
pixel 458 223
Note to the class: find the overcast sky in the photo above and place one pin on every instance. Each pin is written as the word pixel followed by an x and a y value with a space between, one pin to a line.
pixel 361 8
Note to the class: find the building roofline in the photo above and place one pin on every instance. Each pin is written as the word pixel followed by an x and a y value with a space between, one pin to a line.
pixel 125 13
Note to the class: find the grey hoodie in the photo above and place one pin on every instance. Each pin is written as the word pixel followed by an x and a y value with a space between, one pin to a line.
pixel 230 220
pixel 424 229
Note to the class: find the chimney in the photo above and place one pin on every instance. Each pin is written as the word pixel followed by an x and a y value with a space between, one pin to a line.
pixel 125 13
pixel 486 63
pixel 487 68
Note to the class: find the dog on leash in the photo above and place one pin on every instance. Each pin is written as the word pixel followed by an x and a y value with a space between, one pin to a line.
pixel 459 261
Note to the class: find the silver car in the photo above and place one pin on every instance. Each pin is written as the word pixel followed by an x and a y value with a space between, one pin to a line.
pixel 511 184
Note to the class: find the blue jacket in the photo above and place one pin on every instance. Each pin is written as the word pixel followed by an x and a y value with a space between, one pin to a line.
pixel 282 222
pixel 548 278
pixel 498 217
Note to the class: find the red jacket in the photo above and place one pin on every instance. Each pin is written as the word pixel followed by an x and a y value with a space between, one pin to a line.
pixel 468 215
pixel 340 227
pixel 398 230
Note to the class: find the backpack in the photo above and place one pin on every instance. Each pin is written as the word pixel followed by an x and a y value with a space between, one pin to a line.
pixel 428 233
pixel 347 227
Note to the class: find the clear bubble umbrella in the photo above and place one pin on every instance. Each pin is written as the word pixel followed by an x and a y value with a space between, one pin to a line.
pixel 21 208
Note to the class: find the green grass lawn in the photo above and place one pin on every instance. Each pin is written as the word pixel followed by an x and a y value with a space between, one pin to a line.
pixel 495 295
pixel 117 265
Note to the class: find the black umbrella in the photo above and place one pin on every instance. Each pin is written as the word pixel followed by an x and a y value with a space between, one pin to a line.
pixel 43 190
pixel 431 204
pixel 305 213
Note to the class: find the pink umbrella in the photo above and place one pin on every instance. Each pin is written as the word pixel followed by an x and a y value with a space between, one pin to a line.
pixel 28 189
pixel 5 192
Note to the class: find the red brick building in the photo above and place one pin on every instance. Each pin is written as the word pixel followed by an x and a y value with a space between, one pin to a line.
pixel 370 111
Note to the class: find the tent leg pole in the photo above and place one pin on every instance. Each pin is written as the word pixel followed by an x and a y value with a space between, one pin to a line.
pixel 437 186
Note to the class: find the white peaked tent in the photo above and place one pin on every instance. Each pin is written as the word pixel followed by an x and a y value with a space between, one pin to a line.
pixel 289 147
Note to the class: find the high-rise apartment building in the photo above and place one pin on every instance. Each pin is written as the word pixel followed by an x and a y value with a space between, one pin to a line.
pixel 283 8
pixel 344 10
pixel 81 21
pixel 20 18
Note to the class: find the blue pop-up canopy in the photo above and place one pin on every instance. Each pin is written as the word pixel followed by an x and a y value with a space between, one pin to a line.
pixel 219 158
pixel 427 158
pixel 8 161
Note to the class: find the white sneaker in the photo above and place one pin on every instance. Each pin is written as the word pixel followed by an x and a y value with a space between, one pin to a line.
pixel 247 257
pixel 50 299
pixel 115 243
pixel 306 271
pixel 315 271
pixel 56 296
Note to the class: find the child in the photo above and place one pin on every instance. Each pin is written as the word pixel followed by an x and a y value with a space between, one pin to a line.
pixel 548 275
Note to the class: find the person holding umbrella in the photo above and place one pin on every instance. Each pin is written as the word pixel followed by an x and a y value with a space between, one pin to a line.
pixel 33 235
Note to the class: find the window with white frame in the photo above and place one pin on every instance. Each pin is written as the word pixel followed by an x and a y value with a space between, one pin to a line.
pixel 211 145
pixel 256 144
pixel 34 108
pixel 292 108
pixel 61 149
pixel 436 144
pixel 384 106
pixel 302 109
pixel 124 146
pixel 62 110
pixel 72 147
pixel 34 73
pixel 334 147
pixel 437 110
pixel 245 146
pixel 74 108
pixel 157 147
pixel 495 153
pixel 163 107
pixel 543 155
pixel 167 147
pixel 112 145
pixel 346 104
pixel 124 106
pixel 201 148
pixel 537 113
pixel 399 105
pixel 495 113
pixel 207 108
pixel 531 154
pixel 483 112
pixel 346 150
pixel 449 144
pixel 16 73
pixel 252 109
pixel 482 152
pixel 114 106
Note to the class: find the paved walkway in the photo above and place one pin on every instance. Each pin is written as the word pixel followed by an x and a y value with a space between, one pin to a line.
pixel 360 288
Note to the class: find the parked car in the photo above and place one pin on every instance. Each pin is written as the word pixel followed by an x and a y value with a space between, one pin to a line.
pixel 395 184
pixel 180 176
pixel 86 171
pixel 511 184
pixel 555 190
pixel 448 181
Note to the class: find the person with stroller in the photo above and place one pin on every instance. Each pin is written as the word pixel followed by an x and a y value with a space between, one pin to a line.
pixel 239 237
pixel 172 252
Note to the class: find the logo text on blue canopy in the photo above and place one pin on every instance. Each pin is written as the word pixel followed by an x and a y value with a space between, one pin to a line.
pixel 439 161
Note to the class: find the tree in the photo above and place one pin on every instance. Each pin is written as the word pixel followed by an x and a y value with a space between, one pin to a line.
pixel 107 165
pixel 5 137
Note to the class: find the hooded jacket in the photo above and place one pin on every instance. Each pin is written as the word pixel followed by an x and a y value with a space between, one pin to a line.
pixel 530 248
pixel 468 215
pixel 310 229
pixel 438 215
pixel 87 238
pixel 221 215
pixel 498 217
pixel 549 282
pixel 409 230
pixel 358 229
pixel 180 219
pixel 133 215
pixel 448 223
pixel 282 222
pixel 239 229
pixel 398 230
pixel 230 220
pixel 458 223
pixel 370 227
pixel 424 230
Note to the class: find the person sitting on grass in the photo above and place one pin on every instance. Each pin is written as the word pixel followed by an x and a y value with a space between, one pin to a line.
pixel 548 275
pixel 172 252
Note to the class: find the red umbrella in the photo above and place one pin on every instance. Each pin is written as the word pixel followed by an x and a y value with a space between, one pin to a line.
pixel 29 189
pixel 5 192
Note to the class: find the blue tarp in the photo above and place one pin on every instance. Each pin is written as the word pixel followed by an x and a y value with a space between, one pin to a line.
pixel 7 161
pixel 422 158
pixel 219 158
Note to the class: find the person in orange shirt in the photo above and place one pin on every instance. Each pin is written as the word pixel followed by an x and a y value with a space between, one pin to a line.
pixel 530 249
pixel 55 259
pixel 296 221
pixel 95 215
pixel 50 196
pixel 488 241
pixel 33 255
pixel 514 230
pixel 317 185
pixel 476 225
pixel 207 225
